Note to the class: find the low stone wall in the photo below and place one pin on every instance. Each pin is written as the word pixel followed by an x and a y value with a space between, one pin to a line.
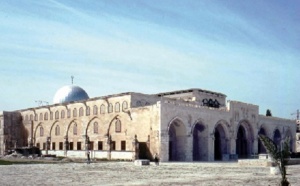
pixel 114 155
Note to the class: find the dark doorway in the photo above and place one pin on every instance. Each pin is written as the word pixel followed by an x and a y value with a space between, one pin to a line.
pixel 241 143
pixel 199 146
pixel 261 148
pixel 144 152
pixel 277 138
pixel 218 153
pixel 177 141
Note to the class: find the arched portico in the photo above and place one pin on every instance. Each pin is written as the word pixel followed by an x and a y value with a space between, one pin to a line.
pixel 277 137
pixel 220 141
pixel 244 140
pixel 200 149
pixel 177 140
pixel 261 148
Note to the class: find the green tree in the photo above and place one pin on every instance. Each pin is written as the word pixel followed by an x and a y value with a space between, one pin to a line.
pixel 268 113
pixel 280 155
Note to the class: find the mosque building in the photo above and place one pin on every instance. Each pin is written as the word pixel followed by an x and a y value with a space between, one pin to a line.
pixel 183 125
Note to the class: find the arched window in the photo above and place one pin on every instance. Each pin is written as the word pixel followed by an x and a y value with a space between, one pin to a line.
pixel 87 110
pixel 41 117
pixel 74 112
pixel 102 109
pixel 95 110
pixel 51 115
pixel 57 130
pixel 117 107
pixel 26 118
pixel 68 113
pixel 124 105
pixel 80 111
pixel 110 108
pixel 31 117
pixel 46 116
pixel 56 115
pixel 118 126
pixel 95 127
pixel 62 114
pixel 75 129
pixel 35 117
pixel 41 131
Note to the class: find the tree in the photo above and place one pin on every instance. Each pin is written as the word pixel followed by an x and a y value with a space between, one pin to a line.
pixel 268 113
pixel 279 155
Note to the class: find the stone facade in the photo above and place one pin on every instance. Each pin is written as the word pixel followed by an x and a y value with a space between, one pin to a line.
pixel 187 125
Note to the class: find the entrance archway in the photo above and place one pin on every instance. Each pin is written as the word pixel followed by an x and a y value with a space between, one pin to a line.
pixel 244 140
pixel 277 138
pixel 199 144
pixel 177 141
pixel 261 148
pixel 220 143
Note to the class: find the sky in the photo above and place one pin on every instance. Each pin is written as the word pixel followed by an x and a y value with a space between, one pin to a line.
pixel 247 50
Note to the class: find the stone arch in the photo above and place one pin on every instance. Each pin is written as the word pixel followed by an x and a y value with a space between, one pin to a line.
pixel 89 123
pixel 277 137
pixel 244 139
pixel 288 134
pixel 35 131
pixel 177 140
pixel 261 149
pixel 221 142
pixel 200 148
pixel 51 128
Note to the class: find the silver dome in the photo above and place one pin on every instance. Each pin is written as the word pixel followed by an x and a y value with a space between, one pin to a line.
pixel 70 93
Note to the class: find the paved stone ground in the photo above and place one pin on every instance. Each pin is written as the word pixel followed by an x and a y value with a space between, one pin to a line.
pixel 126 173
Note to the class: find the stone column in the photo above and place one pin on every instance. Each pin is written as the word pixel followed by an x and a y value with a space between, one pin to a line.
pixel 211 147
pixel 135 148
pixel 255 146
pixel 66 145
pixel 164 146
pixel 108 147
pixel 189 148
pixel 47 144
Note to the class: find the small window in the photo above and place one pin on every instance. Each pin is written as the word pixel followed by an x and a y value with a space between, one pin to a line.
pixel 56 115
pixel 36 117
pixel 110 108
pixel 75 129
pixel 71 146
pixel 41 117
pixel 91 145
pixel 57 130
pixel 38 145
pixel 74 112
pixel 100 145
pixel 41 131
pixel 124 105
pixel 95 128
pixel 113 145
pixel 95 110
pixel 46 116
pixel 78 145
pixel 102 109
pixel 51 115
pixel 53 145
pixel 117 107
pixel 61 145
pixel 62 114
pixel 87 110
pixel 118 126
pixel 123 145
pixel 80 111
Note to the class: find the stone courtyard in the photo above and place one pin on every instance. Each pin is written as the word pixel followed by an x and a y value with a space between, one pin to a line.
pixel 126 173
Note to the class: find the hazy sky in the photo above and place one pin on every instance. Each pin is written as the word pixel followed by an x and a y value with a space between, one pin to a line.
pixel 248 50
